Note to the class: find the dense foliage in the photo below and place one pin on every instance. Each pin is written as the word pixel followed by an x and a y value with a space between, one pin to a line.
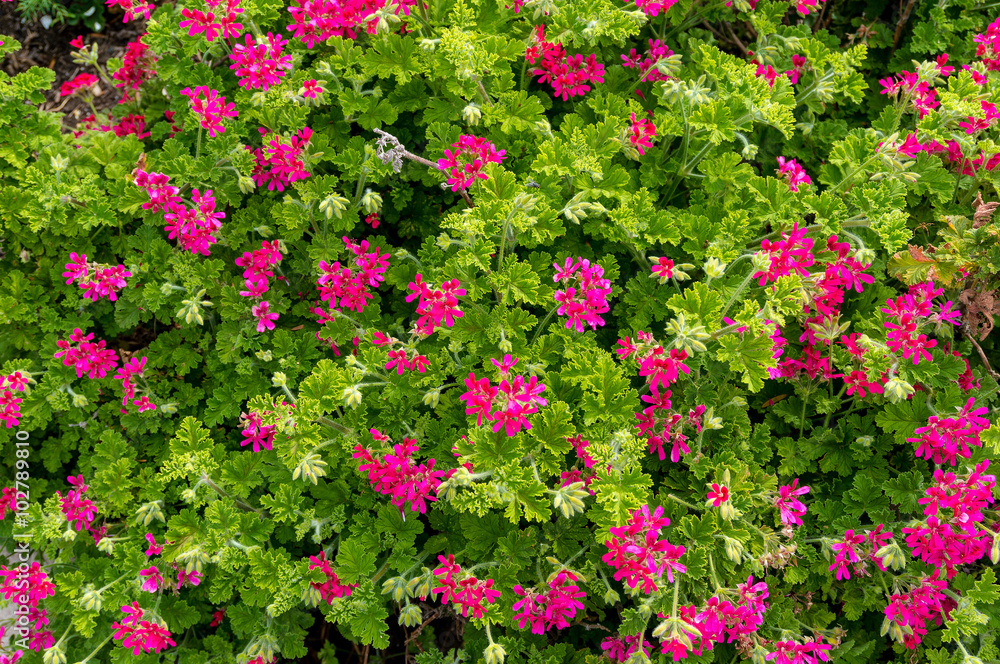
pixel 550 332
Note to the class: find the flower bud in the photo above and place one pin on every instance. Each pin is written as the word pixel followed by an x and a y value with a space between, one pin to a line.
pixel 525 202
pixel 420 586
pixel 897 390
pixel 312 596
pixel 432 398
pixel 611 596
pixel 761 262
pixel 494 654
pixel 59 164
pixel 352 396
pixel 106 546
pixel 569 499
pixel 429 44
pixel 472 114
pixel 865 256
pixel 371 202
pixel 714 268
pixel 79 401
pixel 734 548
pixel 410 615
pixel 396 587
pixel 333 205
pixel 311 468
pixel 169 408
pixel 91 599
pixel 892 555
pixel 54 655
pixel 279 379
pixel 246 184
pixel 505 346
pixel 995 550
pixel 149 511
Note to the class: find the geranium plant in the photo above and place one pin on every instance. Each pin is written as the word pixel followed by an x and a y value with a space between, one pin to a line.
pixel 474 332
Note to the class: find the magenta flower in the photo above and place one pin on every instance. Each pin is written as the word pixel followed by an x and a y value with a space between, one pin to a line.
pixel 333 587
pixel 260 63
pixel 465 590
pixel 639 555
pixel 585 296
pixel 794 174
pixel 265 317
pixel 154 548
pixel 790 507
pixel 465 161
pixel 642 131
pixel 568 75
pixel 210 108
pixel 153 579
pixel 718 494
pixel 552 608
pixel 397 475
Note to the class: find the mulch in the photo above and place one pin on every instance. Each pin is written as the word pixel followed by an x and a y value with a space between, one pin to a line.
pixel 50 48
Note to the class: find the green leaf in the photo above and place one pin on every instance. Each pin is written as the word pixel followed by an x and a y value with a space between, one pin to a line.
pixel 355 562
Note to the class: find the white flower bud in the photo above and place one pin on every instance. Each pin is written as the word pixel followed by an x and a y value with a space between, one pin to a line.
pixel 472 114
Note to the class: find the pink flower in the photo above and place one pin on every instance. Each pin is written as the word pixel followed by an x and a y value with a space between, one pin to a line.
pixel 794 174
pixel 136 69
pixel 718 494
pixel 465 590
pixel 663 268
pixel 790 507
pixel 465 161
pixel 552 608
pixel 77 42
pixel 257 433
pixel 154 548
pixel 79 82
pixel 568 75
pixel 642 131
pixel 637 553
pixel 265 317
pixel 398 476
pixel 153 579
pixel 435 305
pixel 210 107
pixel 311 89
pixel 133 8
pixel 585 297
pixel 333 587
pixel 260 64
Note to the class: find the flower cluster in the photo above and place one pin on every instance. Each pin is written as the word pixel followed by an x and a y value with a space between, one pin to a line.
pixel 954 506
pixel 907 614
pixel 86 357
pixel 553 607
pixel 136 69
pixel 620 649
pixel 197 21
pixel 647 63
pixel 791 254
pixel 909 86
pixel 10 405
pixel 848 551
pixel 909 314
pixel 96 279
pixel 79 511
pixel 507 404
pixel 25 586
pixel 194 228
pixel 641 132
pixel 8 501
pixel 567 74
pixel 695 629
pixel 255 432
pixel 400 359
pixel 459 586
pixel 333 587
pixel 945 439
pixel 210 108
pixel 260 63
pixel 131 124
pixel 396 474
pixel 133 8
pixel 315 21
pixel 639 555
pixel 793 173
pixel 142 636
pixel 278 164
pixel 585 296
pixel 465 160
pixel 350 287
pixel 435 305
pixel 790 508
pixel 134 368
pixel 82 81
pixel 257 268
pixel 988 46
pixel 793 652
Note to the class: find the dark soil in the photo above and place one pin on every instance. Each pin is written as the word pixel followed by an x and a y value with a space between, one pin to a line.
pixel 50 48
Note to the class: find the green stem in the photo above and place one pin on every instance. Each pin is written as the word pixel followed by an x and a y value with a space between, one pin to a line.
pixel 739 291
pixel 333 425
pixel 545 322
pixel 239 503
pixel 684 502
pixel 197 145
pixel 96 650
